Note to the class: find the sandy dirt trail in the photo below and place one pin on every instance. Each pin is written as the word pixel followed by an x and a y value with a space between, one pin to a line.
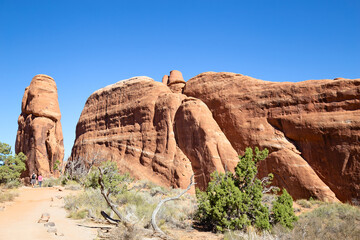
pixel 19 220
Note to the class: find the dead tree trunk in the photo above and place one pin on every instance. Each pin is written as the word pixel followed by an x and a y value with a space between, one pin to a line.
pixel 153 217
pixel 106 194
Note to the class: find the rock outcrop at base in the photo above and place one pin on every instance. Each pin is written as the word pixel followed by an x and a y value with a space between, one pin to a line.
pixel 311 128
pixel 39 134
pixel 167 131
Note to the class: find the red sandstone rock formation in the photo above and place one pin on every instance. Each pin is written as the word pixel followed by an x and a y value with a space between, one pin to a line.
pixel 165 132
pixel 39 134
pixel 175 81
pixel 311 128
pixel 138 122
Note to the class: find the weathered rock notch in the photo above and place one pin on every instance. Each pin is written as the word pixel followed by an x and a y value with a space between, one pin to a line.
pixel 39 134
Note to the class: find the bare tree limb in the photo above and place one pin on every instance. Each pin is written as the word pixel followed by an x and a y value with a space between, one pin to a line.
pixel 106 194
pixel 265 180
pixel 109 219
pixel 153 217
pixel 266 190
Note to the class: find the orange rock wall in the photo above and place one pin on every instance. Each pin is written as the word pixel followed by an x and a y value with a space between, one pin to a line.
pixel 311 128
pixel 167 131
pixel 39 134
pixel 135 123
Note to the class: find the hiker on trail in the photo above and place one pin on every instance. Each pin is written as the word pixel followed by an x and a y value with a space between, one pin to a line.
pixel 33 179
pixel 40 179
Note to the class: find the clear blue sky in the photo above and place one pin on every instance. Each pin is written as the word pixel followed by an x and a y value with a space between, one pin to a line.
pixel 86 45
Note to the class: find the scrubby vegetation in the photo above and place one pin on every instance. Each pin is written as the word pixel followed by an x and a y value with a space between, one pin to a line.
pixel 235 204
pixel 326 221
pixel 135 201
pixel 234 201
pixel 12 166
pixel 137 204
pixel 51 182
pixel 6 196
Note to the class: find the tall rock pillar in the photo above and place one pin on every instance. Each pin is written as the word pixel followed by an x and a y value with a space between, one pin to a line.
pixel 39 134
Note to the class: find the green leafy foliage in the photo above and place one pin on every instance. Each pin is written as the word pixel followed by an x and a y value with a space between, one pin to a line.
pixel 282 210
pixel 113 180
pixel 57 164
pixel 234 201
pixel 13 165
pixel 92 179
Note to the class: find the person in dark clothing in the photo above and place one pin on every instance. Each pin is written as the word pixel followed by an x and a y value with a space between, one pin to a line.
pixel 33 179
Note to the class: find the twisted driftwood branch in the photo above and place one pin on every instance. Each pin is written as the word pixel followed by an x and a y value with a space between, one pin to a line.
pixel 153 217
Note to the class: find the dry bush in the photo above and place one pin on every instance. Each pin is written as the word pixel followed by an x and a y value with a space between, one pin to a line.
pixel 7 196
pixel 50 182
pixel 73 185
pixel 329 221
pixel 250 234
pixel 87 202
pixel 304 203
pixel 13 184
pixel 121 233
pixel 137 205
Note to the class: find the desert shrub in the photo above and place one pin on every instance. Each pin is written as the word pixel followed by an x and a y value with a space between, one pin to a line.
pixel 6 196
pixel 51 182
pixel 114 182
pixel 328 221
pixel 89 200
pixel 13 165
pixel 304 203
pixel 282 210
pixel 136 204
pixel 92 179
pixel 250 234
pixel 57 164
pixel 139 206
pixel 314 201
pixel 72 185
pixel 13 184
pixel 234 201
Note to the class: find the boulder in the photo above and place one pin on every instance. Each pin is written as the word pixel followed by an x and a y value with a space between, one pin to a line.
pixel 311 128
pixel 39 134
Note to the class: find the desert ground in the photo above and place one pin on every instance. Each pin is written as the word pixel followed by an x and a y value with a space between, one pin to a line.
pixel 19 219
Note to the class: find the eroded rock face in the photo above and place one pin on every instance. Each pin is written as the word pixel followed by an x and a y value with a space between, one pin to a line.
pixel 142 125
pixel 165 132
pixel 311 128
pixel 202 140
pixel 175 81
pixel 39 134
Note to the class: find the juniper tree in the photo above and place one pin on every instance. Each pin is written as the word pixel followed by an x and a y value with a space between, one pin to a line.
pixel 13 165
pixel 234 201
